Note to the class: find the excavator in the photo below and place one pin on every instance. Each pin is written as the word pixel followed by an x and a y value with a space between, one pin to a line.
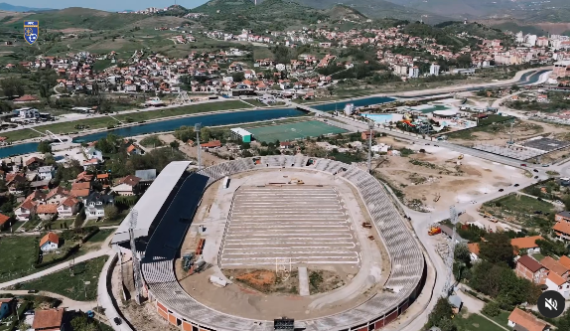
pixel 433 230
pixel 296 181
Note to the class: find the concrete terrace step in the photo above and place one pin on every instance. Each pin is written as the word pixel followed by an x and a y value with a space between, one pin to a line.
pixel 261 227
pixel 245 238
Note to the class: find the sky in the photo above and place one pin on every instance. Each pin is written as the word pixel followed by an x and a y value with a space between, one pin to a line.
pixel 108 5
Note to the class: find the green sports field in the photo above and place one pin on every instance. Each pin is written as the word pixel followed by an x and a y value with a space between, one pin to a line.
pixel 292 131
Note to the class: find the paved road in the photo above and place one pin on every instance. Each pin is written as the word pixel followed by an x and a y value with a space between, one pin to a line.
pixel 106 301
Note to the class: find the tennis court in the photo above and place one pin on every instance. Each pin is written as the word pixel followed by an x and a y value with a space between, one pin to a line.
pixel 292 131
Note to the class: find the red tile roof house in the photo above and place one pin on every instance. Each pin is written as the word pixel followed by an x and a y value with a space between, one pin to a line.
pixel 529 268
pixel 528 243
pixel 555 282
pixel 49 242
pixel 25 211
pixel 48 320
pixel 68 208
pixel 4 221
pixel 46 212
pixel 554 266
pixel 521 320
pixel 127 186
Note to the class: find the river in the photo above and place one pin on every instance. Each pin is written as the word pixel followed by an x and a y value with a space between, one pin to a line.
pixel 226 118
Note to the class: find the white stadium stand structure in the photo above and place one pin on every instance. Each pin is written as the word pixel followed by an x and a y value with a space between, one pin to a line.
pixel 175 202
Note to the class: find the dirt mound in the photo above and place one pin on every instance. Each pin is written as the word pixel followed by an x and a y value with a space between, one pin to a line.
pixel 258 279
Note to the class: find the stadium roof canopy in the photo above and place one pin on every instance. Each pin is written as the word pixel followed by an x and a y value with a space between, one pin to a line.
pixel 152 201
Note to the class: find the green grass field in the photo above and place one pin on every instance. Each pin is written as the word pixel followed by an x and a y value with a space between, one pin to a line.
pixel 285 132
pixel 475 322
pixel 502 318
pixel 101 236
pixel 18 257
pixel 73 287
pixel 517 208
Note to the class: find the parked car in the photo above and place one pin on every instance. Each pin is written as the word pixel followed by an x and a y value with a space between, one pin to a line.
pixel 32 291
pixel 501 190
pixel 523 164
pixel 535 170
pixel 516 185
pixel 546 165
pixel 535 177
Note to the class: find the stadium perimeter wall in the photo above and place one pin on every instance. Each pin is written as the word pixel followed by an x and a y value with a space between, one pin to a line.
pixel 167 294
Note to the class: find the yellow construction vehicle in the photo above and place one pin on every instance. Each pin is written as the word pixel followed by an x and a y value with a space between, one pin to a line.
pixel 460 157
pixel 296 181
pixel 433 230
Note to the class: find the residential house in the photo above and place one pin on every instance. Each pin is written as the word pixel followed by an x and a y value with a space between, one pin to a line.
pixel 93 153
pixel 521 320
pixel 34 162
pixel 527 243
pixel 68 208
pixel 127 186
pixel 96 203
pixel 529 268
pixel 146 178
pixel 554 266
pixel 134 150
pixel 46 173
pixel 15 182
pixel 80 190
pixel 4 222
pixel 46 212
pixel 7 306
pixel 90 163
pixel 211 144
pixel 565 261
pixel 49 242
pixel 57 195
pixel 83 178
pixel 562 230
pixel 25 211
pixel 49 319
pixel 25 99
pixel 555 282
pixel 563 216
pixel 103 179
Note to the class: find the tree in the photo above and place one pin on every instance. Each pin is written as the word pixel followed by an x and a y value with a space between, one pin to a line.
pixel 491 309
pixel 82 323
pixel 175 144
pixel 551 248
pixel 497 249
pixel 44 147
pixel 111 212
pixel 238 76
pixel 441 316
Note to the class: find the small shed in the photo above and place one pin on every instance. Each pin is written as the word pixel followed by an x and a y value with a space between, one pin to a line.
pixel 456 303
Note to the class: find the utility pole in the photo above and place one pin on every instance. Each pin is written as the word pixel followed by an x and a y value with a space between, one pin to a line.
pixel 197 128
pixel 370 134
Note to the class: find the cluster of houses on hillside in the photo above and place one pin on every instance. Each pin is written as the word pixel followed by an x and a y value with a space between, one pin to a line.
pixel 91 190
